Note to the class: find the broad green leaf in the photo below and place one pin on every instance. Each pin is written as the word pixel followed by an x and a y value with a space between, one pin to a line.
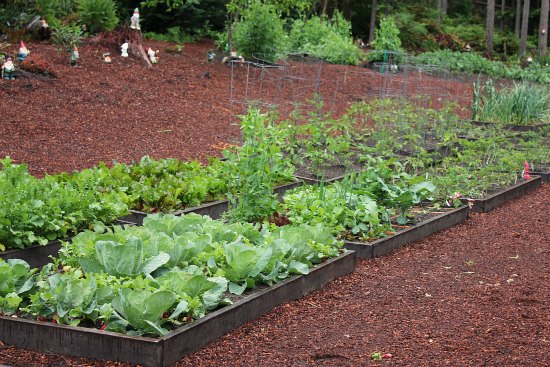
pixel 155 262
pixel 236 288
pixel 212 297
pixel 121 259
pixel 296 267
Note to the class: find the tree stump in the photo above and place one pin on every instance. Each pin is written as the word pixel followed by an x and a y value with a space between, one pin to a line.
pixel 114 39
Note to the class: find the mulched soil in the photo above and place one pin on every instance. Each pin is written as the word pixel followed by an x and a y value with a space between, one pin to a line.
pixel 183 107
pixel 477 294
pixel 121 111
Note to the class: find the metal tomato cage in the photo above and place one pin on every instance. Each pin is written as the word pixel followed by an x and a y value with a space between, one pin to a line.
pixel 284 86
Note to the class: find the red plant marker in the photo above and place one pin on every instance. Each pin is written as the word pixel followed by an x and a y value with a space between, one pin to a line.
pixel 526 174
pixel 103 326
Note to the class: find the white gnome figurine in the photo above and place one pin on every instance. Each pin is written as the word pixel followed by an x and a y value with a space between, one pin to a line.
pixel 134 20
pixel 8 69
pixel 124 49
pixel 152 55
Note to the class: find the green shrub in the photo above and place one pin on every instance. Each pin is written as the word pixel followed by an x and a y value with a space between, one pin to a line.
pixel 328 39
pixel 472 62
pixel 412 33
pixel 65 35
pixel 98 15
pixel 173 34
pixel 387 36
pixel 338 50
pixel 54 9
pixel 260 33
pixel 472 34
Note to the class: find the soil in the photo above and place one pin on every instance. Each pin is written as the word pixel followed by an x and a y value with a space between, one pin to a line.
pixel 477 294
pixel 182 107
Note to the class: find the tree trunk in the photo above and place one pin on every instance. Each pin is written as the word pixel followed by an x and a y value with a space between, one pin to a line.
pixel 346 9
pixel 524 25
pixel 543 27
pixel 372 21
pixel 324 10
pixel 439 12
pixel 518 18
pixel 312 9
pixel 490 27
pixel 444 7
pixel 502 9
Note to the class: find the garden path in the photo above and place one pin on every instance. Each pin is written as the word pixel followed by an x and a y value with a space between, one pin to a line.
pixel 477 294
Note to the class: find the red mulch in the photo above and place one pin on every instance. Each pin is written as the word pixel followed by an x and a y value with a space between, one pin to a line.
pixel 178 108
pixel 477 294
pixel 119 111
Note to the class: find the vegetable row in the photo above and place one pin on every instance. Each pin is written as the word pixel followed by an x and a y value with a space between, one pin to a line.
pixel 149 280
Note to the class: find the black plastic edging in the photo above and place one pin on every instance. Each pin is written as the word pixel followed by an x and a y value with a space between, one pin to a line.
pixel 160 352
pixel 315 181
pixel 490 202
pixel 544 175
pixel 37 256
pixel 191 338
pixel 213 209
pixel 513 127
pixel 386 245
pixel 79 341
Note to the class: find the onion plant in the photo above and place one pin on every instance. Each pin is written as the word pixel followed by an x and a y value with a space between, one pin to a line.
pixel 523 104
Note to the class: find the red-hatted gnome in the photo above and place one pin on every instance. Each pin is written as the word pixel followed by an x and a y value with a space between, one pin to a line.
pixel 134 20
pixel 8 69
pixel 23 52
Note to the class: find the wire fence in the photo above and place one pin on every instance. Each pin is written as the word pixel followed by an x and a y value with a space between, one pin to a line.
pixel 288 87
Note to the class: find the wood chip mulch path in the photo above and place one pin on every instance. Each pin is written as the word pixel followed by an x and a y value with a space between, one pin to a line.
pixel 477 294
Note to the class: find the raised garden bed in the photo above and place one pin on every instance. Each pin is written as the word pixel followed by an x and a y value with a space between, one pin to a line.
pixel 544 175
pixel 500 197
pixel 514 127
pixel 213 209
pixel 166 350
pixel 38 255
pixel 383 246
pixel 316 181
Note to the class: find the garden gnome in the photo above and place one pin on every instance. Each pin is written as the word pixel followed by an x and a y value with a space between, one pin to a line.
pixel 8 69
pixel 124 49
pixel 233 57
pixel 23 52
pixel 134 20
pixel 210 56
pixel 74 56
pixel 152 55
